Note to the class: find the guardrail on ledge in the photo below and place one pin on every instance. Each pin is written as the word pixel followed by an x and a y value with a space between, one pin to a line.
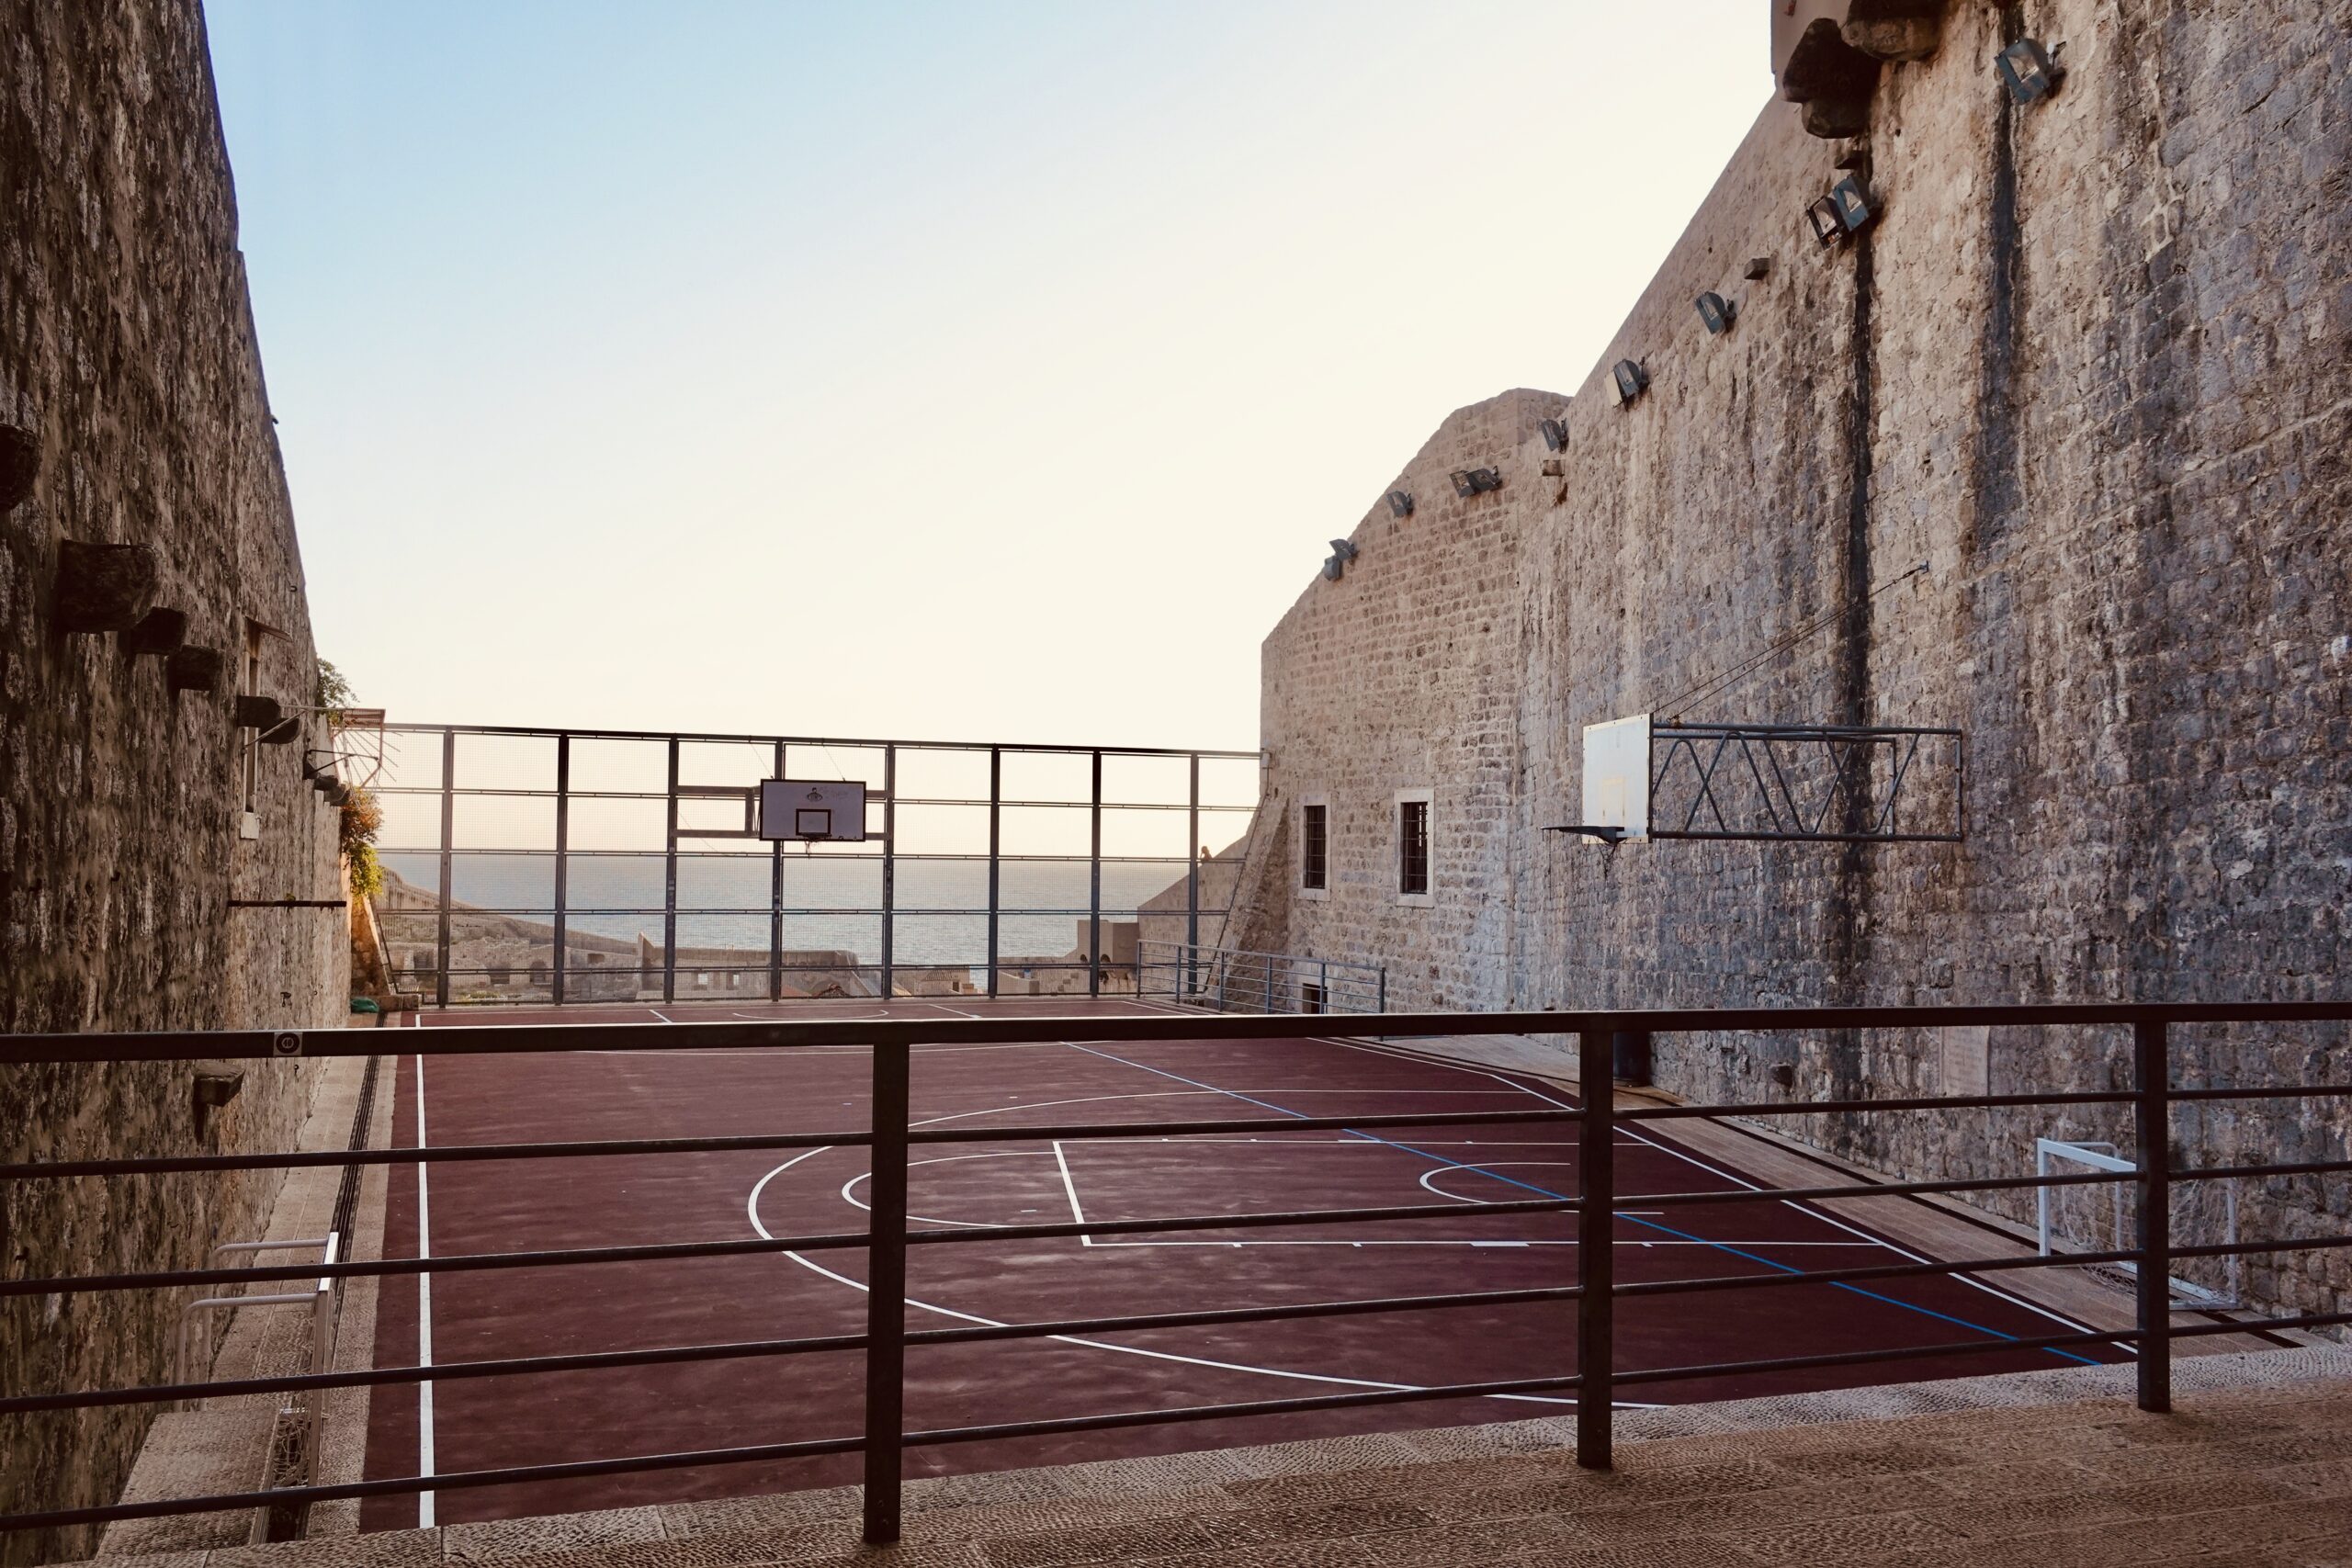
pixel 1600 1035
pixel 1238 981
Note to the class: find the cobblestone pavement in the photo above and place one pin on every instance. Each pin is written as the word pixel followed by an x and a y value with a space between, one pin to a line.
pixel 2053 1469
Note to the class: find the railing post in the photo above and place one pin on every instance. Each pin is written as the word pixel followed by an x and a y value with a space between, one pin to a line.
pixel 2152 1078
pixel 886 1297
pixel 1595 1243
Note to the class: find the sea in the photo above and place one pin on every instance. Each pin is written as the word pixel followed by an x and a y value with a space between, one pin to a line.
pixel 830 902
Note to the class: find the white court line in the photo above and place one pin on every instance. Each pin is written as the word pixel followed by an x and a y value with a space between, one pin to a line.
pixel 658 1013
pixel 424 1318
pixel 1077 1214
pixel 1826 1219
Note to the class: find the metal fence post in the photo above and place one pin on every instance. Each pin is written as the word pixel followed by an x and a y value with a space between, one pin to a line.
pixel 562 866
pixel 670 886
pixel 1595 1255
pixel 2152 1078
pixel 448 834
pixel 996 857
pixel 886 1297
pixel 1094 886
pixel 775 900
pixel 890 986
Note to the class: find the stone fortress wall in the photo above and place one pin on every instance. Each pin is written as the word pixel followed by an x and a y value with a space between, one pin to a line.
pixel 131 385
pixel 2090 366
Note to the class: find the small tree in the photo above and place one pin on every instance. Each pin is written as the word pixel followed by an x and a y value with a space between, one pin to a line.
pixel 334 693
pixel 363 815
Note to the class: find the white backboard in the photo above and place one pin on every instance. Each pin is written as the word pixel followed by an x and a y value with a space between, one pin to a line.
pixel 824 810
pixel 1617 775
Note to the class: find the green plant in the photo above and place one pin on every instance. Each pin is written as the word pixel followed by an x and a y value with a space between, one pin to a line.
pixel 333 693
pixel 362 819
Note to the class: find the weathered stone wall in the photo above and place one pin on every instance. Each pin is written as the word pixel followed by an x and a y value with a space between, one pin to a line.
pixel 2090 366
pixel 127 348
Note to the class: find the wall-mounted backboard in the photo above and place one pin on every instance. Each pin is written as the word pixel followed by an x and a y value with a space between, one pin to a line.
pixel 817 811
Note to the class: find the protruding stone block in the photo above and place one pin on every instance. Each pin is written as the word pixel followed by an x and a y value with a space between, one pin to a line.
pixel 159 631
pixel 1824 66
pixel 103 587
pixel 256 712
pixel 1895 29
pixel 193 670
pixel 1831 118
pixel 19 465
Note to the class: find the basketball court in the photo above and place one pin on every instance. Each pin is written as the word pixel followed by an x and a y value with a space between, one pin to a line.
pixel 1061 1077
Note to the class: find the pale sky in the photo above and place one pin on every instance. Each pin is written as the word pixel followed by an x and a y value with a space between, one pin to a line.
pixel 995 370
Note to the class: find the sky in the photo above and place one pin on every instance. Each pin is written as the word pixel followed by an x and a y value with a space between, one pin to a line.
pixel 995 370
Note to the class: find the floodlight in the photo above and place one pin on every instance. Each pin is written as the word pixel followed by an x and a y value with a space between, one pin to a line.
pixel 1853 203
pixel 1344 550
pixel 1555 436
pixel 1468 482
pixel 2027 71
pixel 1827 227
pixel 1400 504
pixel 1716 312
pixel 1632 380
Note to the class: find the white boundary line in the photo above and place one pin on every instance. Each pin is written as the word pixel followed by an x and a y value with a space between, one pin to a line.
pixel 425 1506
pixel 1825 1218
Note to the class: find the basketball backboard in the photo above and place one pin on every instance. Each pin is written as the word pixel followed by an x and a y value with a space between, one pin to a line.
pixel 1617 775
pixel 815 811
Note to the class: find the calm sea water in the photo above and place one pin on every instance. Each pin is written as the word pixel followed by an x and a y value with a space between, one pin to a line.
pixel 832 902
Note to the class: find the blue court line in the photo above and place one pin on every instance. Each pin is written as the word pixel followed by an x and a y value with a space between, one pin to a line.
pixel 1548 1192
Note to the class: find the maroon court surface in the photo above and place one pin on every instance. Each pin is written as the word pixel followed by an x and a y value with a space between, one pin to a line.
pixel 512 1206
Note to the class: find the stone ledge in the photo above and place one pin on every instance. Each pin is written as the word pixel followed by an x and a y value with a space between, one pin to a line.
pixel 2053 1466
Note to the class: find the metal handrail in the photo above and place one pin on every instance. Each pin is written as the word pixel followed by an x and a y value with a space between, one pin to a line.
pixel 1600 1036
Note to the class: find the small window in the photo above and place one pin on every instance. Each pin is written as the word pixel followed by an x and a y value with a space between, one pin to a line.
pixel 1412 847
pixel 1315 848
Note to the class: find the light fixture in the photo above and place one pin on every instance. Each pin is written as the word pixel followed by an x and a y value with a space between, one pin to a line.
pixel 1756 267
pixel 1632 380
pixel 1555 436
pixel 1468 482
pixel 1853 203
pixel 2027 71
pixel 1334 564
pixel 1400 503
pixel 1827 227
pixel 1344 551
pixel 1717 312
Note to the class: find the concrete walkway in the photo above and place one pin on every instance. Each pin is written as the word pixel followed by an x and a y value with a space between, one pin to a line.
pixel 2053 1469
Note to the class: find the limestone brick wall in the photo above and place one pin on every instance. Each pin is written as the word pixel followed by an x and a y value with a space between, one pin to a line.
pixel 2090 366
pixel 127 348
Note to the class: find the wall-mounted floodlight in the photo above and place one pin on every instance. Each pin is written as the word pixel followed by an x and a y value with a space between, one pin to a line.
pixel 1400 504
pixel 1630 379
pixel 1855 210
pixel 1332 567
pixel 1757 267
pixel 1555 436
pixel 1717 312
pixel 1343 550
pixel 1334 564
pixel 2027 71
pixel 1468 482
pixel 1827 227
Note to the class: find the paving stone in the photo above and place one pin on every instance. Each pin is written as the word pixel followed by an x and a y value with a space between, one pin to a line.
pixel 497 1541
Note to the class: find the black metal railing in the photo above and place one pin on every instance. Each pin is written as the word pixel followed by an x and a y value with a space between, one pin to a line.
pixel 1601 1037
pixel 1227 979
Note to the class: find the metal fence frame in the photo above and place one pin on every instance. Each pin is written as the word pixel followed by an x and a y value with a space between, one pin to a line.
pixel 1227 979
pixel 449 789
pixel 1600 1036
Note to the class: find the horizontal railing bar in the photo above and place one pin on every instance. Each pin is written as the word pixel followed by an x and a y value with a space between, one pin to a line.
pixel 528 1366
pixel 1798 836
pixel 1868 1189
pixel 1873 1271
pixel 536 1039
pixel 2247 1248
pixel 2297 1167
pixel 1865 1357
pixel 569 1256
pixel 1831 731
pixel 444 1154
pixel 1814 1107
pixel 455 1263
pixel 1242 1222
pixel 1261 1124
pixel 945 1434
pixel 2264 1325
pixel 2291 1091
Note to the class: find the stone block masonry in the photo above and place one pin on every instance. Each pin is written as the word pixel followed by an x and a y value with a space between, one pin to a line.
pixel 2089 365
pixel 129 369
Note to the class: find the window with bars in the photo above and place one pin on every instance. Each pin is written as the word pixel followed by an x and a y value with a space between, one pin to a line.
pixel 1412 847
pixel 1315 848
